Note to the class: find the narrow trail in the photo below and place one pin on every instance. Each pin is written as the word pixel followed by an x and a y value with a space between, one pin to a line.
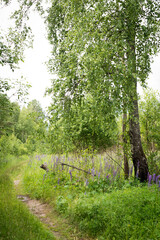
pixel 46 214
pixel 41 210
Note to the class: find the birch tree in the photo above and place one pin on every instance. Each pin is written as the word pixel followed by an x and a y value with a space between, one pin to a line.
pixel 105 48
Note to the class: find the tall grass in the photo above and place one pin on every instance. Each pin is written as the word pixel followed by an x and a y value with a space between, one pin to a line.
pixel 95 173
pixel 16 222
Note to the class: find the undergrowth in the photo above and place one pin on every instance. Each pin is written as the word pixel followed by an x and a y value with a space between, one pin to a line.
pixel 102 204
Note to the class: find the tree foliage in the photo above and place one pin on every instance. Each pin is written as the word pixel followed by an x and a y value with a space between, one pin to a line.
pixel 91 43
pixel 14 40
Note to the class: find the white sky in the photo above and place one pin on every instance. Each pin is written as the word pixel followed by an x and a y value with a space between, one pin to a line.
pixel 154 78
pixel 34 69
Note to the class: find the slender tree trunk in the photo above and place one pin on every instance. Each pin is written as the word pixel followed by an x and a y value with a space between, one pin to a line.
pixel 125 152
pixel 138 156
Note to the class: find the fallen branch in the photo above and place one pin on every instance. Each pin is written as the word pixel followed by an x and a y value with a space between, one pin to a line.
pixel 115 161
pixel 79 169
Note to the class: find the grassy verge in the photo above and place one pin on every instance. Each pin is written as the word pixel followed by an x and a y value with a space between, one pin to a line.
pixel 104 208
pixel 16 222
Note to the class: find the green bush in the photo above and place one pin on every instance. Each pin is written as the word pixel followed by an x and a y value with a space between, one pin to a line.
pixel 10 145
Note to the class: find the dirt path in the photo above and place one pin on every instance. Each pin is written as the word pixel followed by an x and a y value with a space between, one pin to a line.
pixel 41 210
pixel 60 228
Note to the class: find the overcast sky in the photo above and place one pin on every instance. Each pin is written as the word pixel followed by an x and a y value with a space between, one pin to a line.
pixel 34 69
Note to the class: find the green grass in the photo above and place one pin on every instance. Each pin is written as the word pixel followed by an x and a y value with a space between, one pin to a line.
pixel 16 222
pixel 124 214
pixel 125 210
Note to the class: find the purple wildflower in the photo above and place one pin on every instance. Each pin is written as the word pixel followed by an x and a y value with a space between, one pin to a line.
pixel 87 182
pixel 92 171
pixel 70 174
pixel 149 180
pixel 58 181
pixel 157 178
pixel 114 173
pixel 106 165
pixel 154 178
pixel 57 160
